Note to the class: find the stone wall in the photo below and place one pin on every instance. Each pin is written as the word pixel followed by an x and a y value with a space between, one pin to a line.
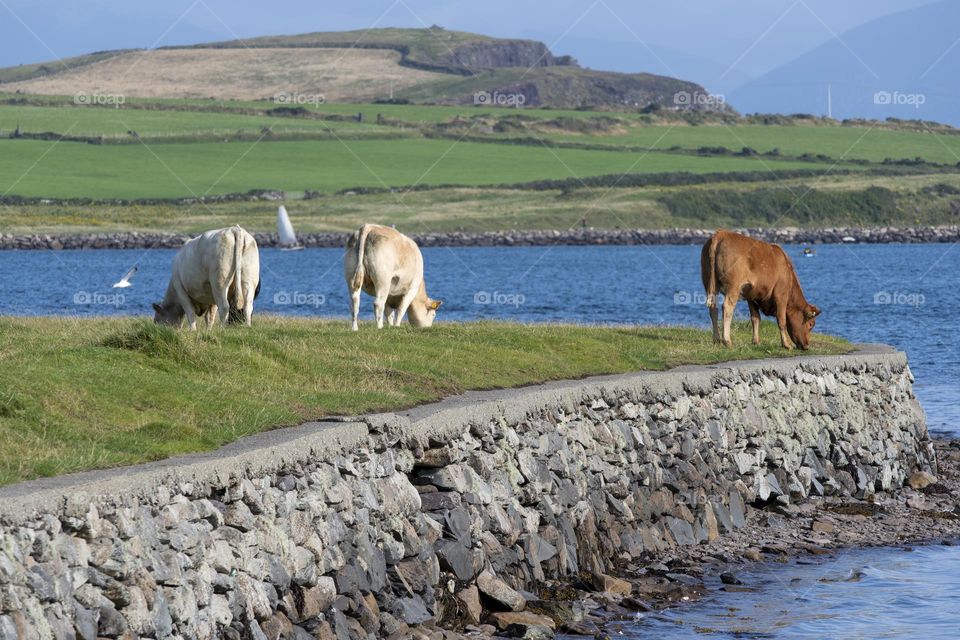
pixel 444 513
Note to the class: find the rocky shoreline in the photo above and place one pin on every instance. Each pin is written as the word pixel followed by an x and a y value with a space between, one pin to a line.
pixel 927 511
pixel 571 237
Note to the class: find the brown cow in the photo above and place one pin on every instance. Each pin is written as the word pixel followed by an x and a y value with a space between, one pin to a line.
pixel 735 265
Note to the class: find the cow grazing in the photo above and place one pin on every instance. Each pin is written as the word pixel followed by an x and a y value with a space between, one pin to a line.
pixel 760 272
pixel 216 274
pixel 388 266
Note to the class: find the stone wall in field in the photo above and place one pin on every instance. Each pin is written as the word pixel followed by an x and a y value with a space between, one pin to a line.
pixel 382 525
pixel 573 237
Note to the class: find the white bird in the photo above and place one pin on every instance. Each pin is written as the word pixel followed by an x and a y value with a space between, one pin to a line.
pixel 124 282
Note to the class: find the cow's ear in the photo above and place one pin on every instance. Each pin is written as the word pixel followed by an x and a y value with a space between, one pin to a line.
pixel 157 307
pixel 434 304
pixel 813 311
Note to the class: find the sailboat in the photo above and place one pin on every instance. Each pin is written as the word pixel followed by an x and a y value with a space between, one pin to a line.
pixel 288 239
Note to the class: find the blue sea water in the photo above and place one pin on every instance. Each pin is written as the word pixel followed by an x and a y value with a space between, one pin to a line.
pixel 863 594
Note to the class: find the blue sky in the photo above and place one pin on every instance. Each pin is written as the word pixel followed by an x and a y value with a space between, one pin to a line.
pixel 720 43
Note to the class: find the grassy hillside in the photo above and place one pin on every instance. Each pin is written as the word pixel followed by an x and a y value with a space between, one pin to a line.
pixel 29 71
pixel 240 74
pixel 77 395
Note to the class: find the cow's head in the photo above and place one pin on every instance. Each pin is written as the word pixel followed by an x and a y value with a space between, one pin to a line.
pixel 800 322
pixel 423 313
pixel 167 313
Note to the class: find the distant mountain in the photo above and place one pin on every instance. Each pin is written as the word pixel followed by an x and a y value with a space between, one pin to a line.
pixel 903 65
pixel 432 65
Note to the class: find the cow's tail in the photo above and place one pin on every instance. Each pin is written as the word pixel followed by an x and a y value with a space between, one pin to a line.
pixel 357 282
pixel 708 270
pixel 239 239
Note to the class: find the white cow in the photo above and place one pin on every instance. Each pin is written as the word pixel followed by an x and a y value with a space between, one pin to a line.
pixel 388 266
pixel 217 273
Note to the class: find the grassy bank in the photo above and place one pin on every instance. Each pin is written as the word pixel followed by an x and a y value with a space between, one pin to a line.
pixel 83 394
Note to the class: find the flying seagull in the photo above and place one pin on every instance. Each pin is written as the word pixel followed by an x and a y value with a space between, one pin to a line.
pixel 125 280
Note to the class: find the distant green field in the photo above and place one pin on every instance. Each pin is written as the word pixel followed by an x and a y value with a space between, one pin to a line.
pixel 116 123
pixel 68 169
pixel 415 113
pixel 174 119
pixel 834 141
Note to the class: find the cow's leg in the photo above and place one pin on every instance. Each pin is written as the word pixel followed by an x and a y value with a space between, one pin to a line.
pixel 355 308
pixel 755 319
pixel 379 305
pixel 782 323
pixel 714 319
pixel 405 303
pixel 221 298
pixel 187 305
pixel 729 304
pixel 248 295
pixel 210 315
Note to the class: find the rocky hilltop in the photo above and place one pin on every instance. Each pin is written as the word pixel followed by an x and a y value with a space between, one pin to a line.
pixel 436 66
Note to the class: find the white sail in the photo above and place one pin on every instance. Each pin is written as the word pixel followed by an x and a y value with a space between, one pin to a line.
pixel 284 228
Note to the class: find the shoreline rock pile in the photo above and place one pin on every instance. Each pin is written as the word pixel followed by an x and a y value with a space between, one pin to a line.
pixel 572 237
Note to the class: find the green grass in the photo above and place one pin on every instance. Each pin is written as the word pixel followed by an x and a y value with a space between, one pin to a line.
pixel 83 394
pixel 182 154
pixel 412 113
pixel 69 169
pixel 114 124
pixel 837 142
pixel 491 209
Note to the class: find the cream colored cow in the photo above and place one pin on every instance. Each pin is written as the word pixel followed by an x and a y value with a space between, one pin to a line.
pixel 215 274
pixel 388 266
